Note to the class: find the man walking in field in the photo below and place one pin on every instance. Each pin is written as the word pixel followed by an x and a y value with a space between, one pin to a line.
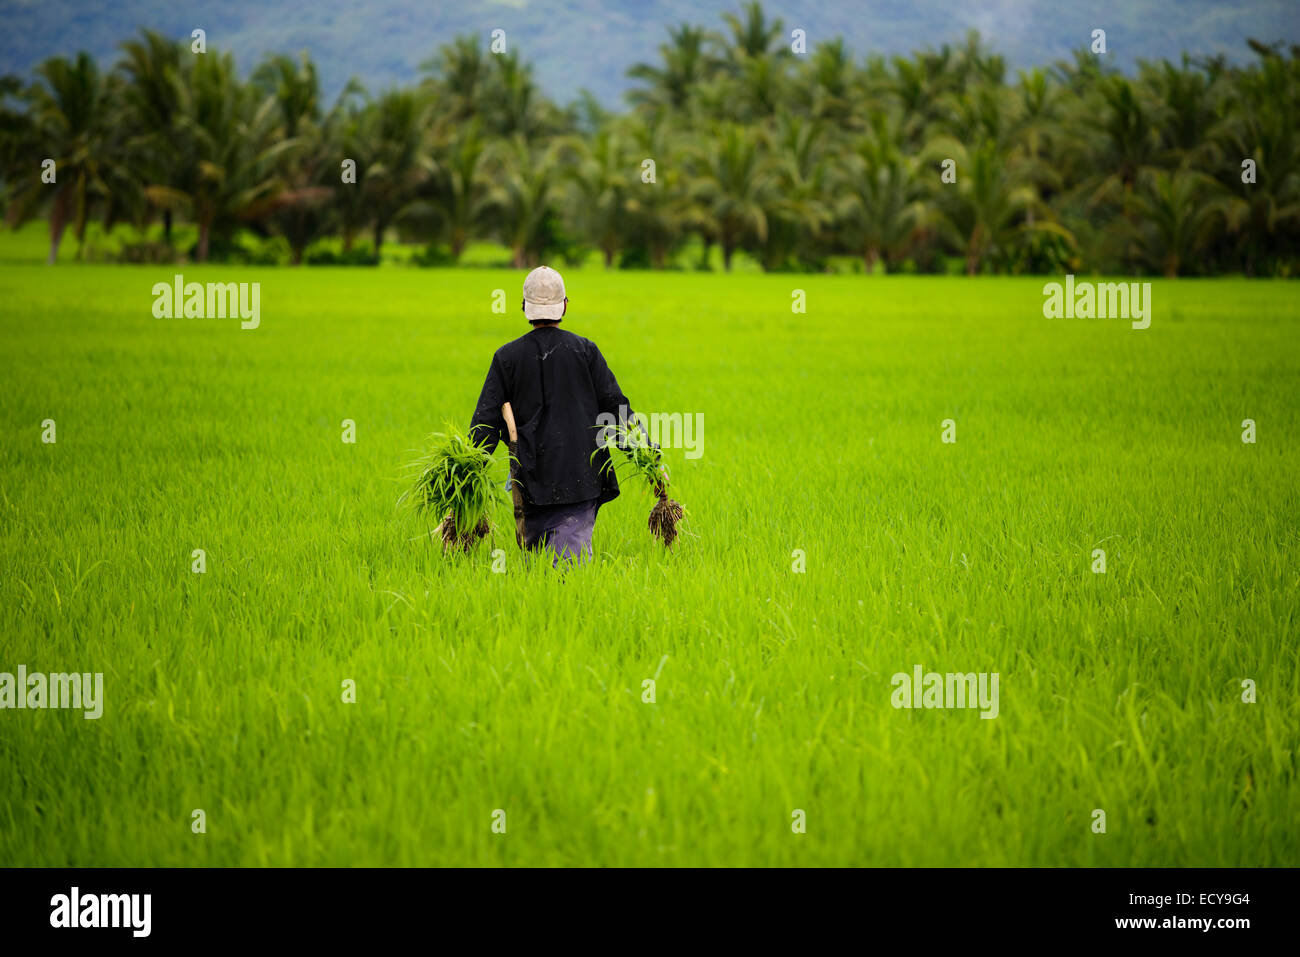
pixel 556 384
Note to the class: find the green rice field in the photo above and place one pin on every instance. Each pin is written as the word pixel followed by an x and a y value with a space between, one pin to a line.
pixel 832 540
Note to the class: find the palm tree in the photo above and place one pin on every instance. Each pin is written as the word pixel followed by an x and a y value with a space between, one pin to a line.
pixel 522 199
pixel 731 184
pixel 1083 74
pixel 17 134
pixel 762 83
pixel 348 126
pixel 294 90
pixel 982 112
pixel 987 212
pixel 1266 213
pixel 798 210
pixel 1036 132
pixel 658 213
pixel 400 163
pixel 152 102
pixel 826 85
pixel 753 35
pixel 603 174
pixel 882 202
pixel 517 106
pixel 299 211
pixel 978 67
pixel 228 173
pixel 459 75
pixel 121 191
pixel 70 109
pixel 1115 139
pixel 461 186
pixel 1189 113
pixel 757 62
pixel 918 87
pixel 1178 215
pixel 686 63
pixel 1129 143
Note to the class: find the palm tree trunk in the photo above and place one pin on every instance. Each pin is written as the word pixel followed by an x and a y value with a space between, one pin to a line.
pixel 79 227
pixel 973 252
pixel 708 251
pixel 58 219
pixel 56 236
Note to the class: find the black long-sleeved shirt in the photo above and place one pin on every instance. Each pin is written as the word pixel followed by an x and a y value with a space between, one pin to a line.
pixel 557 384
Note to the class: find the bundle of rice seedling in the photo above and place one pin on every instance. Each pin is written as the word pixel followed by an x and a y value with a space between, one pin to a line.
pixel 647 461
pixel 453 480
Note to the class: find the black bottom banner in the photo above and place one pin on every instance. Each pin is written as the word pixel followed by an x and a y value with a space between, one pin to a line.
pixel 1198 907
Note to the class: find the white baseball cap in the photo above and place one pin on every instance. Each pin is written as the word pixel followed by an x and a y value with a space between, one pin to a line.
pixel 544 295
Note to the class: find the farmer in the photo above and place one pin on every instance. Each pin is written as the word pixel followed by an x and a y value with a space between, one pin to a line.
pixel 557 385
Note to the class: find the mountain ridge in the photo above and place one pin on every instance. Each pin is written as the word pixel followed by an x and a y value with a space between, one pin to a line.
pixel 585 44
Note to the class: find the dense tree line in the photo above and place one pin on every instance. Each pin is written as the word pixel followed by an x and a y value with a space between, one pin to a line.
pixel 731 141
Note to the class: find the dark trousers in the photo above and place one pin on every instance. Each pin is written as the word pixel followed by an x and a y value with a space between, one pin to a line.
pixel 564 529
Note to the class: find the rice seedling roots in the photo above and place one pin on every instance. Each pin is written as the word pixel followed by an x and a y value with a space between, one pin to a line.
pixel 453 540
pixel 664 518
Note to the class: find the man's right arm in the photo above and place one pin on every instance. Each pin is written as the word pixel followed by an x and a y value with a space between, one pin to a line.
pixel 487 426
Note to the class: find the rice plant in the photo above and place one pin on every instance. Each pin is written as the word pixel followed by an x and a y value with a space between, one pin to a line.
pixel 453 481
pixel 646 460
